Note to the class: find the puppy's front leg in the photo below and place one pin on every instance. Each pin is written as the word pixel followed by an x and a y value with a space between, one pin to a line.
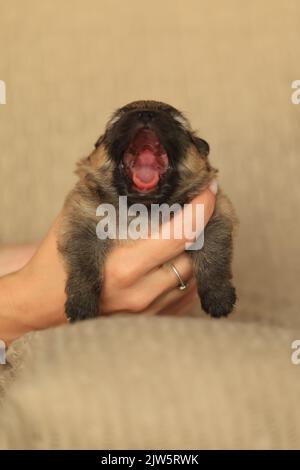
pixel 84 256
pixel 212 267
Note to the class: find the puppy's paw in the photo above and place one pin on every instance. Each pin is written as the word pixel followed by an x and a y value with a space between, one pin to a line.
pixel 218 301
pixel 79 307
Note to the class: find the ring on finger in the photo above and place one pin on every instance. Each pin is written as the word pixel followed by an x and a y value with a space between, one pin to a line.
pixel 182 285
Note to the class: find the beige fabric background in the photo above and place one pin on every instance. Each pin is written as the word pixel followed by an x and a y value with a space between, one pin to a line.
pixel 155 383
pixel 229 65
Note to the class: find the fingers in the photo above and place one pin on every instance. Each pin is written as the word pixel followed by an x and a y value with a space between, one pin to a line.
pixel 185 306
pixel 139 271
pixel 148 254
pixel 138 295
pixel 164 278
pixel 174 301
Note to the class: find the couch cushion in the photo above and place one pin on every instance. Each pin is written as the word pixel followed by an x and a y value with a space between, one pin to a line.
pixel 15 358
pixel 156 382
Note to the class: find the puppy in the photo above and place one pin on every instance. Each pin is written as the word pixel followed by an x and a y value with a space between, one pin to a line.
pixel 176 171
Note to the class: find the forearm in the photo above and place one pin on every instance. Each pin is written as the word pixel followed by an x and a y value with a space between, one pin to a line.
pixel 14 257
pixel 12 288
pixel 24 306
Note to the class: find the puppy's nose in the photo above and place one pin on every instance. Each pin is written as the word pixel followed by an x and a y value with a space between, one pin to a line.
pixel 146 116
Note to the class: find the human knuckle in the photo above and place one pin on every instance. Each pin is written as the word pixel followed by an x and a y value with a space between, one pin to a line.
pixel 124 274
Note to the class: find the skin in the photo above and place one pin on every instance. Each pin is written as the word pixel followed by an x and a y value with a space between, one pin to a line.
pixel 137 277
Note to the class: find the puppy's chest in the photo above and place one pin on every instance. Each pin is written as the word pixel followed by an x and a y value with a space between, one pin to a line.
pixel 126 225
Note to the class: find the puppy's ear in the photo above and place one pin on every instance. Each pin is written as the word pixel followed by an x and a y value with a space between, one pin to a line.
pixel 99 141
pixel 200 144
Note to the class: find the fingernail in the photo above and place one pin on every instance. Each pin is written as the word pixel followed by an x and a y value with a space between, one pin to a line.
pixel 213 187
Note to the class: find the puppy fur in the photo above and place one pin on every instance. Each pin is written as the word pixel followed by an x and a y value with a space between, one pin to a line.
pixel 101 179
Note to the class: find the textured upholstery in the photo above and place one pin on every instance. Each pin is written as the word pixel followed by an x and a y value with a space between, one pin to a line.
pixel 156 383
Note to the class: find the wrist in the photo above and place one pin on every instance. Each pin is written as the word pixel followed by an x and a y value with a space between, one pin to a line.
pixel 12 321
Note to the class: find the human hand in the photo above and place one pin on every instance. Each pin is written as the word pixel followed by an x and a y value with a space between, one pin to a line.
pixel 136 280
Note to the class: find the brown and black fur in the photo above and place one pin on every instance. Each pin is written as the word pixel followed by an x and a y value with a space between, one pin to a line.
pixel 101 180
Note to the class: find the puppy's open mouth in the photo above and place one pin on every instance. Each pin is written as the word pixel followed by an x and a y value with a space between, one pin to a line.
pixel 145 161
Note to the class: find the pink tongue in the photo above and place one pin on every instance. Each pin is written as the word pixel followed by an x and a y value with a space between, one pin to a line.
pixel 145 173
